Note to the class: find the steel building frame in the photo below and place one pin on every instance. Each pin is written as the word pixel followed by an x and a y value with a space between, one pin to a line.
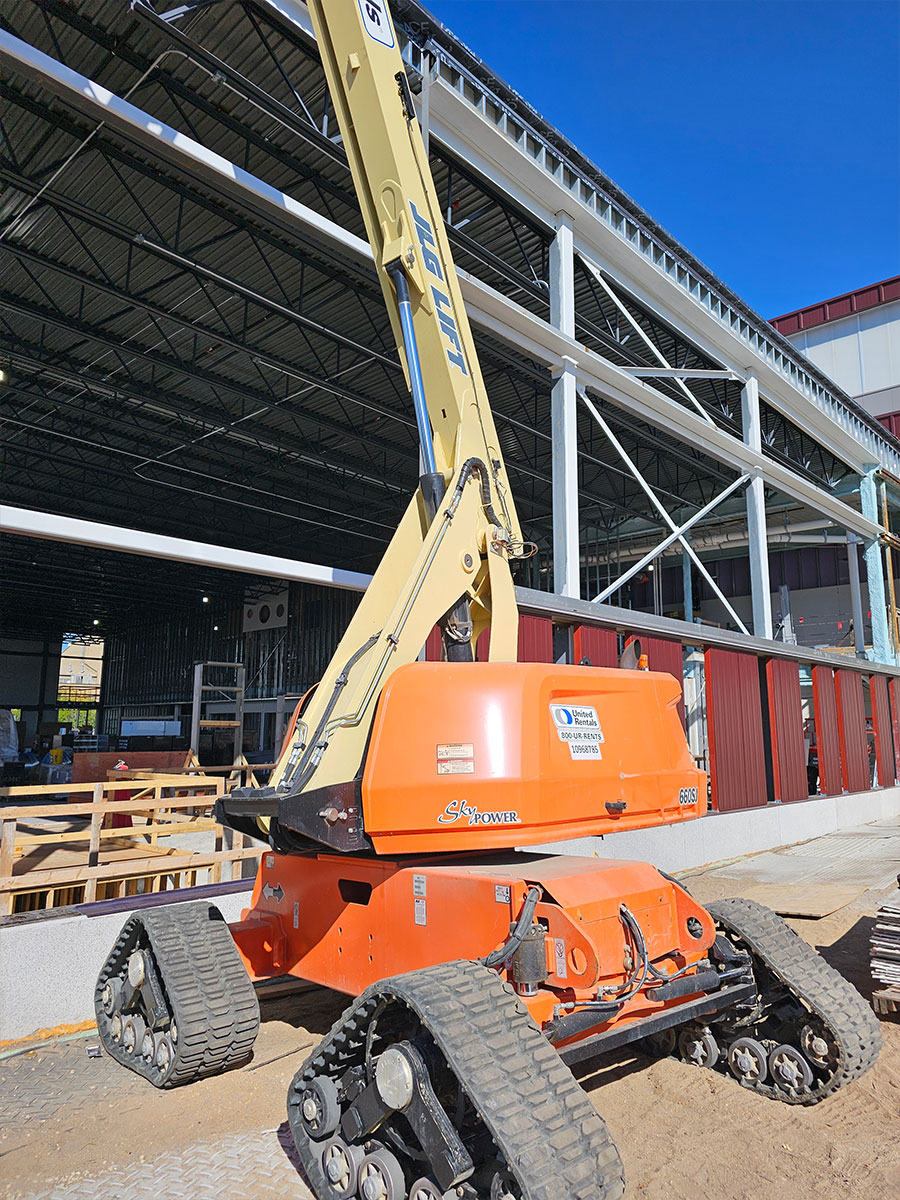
pixel 190 317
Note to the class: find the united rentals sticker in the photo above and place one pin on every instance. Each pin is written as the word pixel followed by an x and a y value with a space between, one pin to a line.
pixel 578 727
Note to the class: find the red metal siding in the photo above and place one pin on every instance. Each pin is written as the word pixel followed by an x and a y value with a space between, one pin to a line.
pixel 786 730
pixel 827 737
pixel 433 647
pixel 852 730
pixel 535 641
pixel 894 694
pixel 881 721
pixel 599 646
pixel 839 306
pixel 734 725
pixel 663 655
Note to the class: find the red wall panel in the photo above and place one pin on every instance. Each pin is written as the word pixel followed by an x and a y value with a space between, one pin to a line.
pixel 786 730
pixel 433 646
pixel 881 721
pixel 828 742
pixel 894 694
pixel 734 724
pixel 535 641
pixel 600 646
pixel 851 711
pixel 663 655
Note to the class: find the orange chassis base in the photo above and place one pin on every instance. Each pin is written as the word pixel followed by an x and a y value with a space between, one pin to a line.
pixel 346 922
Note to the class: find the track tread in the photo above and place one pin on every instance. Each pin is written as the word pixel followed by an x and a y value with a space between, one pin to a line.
pixel 549 1132
pixel 207 988
pixel 822 990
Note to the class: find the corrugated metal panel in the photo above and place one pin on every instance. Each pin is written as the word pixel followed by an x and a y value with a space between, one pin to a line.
pixel 595 647
pixel 851 711
pixel 663 655
pixel 828 743
pixel 734 723
pixel 884 741
pixel 535 641
pixel 894 694
pixel 786 728
pixel 433 646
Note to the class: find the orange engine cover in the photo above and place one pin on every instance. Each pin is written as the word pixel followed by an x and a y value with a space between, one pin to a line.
pixel 468 756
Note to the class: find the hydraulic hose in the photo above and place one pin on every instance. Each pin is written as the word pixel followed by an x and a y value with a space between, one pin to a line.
pixel 521 927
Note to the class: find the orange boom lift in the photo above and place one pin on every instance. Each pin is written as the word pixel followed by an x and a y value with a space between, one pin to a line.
pixel 397 814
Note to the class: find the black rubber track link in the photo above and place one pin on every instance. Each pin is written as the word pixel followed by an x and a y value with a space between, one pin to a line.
pixel 555 1144
pixel 207 991
pixel 821 989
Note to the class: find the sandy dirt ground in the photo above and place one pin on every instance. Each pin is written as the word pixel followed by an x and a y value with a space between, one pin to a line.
pixel 683 1132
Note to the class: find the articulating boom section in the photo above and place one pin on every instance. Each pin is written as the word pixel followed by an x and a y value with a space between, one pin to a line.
pixel 448 562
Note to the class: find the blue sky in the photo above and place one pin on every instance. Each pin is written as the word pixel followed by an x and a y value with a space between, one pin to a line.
pixel 764 134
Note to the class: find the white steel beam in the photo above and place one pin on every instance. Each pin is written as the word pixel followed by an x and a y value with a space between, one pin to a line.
pixel 881 638
pixel 564 419
pixel 756 516
pixel 30 523
pixel 486 306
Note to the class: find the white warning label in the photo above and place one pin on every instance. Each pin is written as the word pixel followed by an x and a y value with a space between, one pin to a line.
pixel 456 766
pixel 455 750
pixel 578 727
pixel 421 912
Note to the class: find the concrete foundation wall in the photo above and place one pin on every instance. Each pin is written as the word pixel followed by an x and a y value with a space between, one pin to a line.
pixel 719 837
pixel 49 963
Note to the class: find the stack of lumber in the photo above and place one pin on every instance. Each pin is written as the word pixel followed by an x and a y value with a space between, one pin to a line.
pixel 884 946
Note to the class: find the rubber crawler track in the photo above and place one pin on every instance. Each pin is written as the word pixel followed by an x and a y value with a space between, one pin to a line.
pixel 821 989
pixel 554 1142
pixel 208 991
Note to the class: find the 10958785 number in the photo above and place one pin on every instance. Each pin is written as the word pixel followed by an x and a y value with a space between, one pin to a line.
pixel 688 796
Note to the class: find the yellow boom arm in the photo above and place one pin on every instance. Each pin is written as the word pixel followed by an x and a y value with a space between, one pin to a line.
pixel 448 561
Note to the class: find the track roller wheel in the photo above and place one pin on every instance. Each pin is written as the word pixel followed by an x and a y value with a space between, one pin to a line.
pixel 133 1030
pixel 789 1070
pixel 818 1044
pixel 320 1109
pixel 426 1189
pixel 340 1165
pixel 697 1046
pixel 748 1061
pixel 381 1176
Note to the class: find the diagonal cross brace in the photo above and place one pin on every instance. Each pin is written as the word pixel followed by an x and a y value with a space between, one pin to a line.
pixel 657 504
pixel 654 350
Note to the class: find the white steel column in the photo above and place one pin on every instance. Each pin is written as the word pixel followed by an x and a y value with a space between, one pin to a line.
pixel 881 638
pixel 856 608
pixel 564 418
pixel 758 548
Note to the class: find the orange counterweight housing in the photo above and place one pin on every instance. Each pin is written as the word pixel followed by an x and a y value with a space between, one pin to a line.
pixel 476 756
pixel 347 922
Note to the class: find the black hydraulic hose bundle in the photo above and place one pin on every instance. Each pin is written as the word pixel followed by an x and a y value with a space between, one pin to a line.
pixel 521 927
